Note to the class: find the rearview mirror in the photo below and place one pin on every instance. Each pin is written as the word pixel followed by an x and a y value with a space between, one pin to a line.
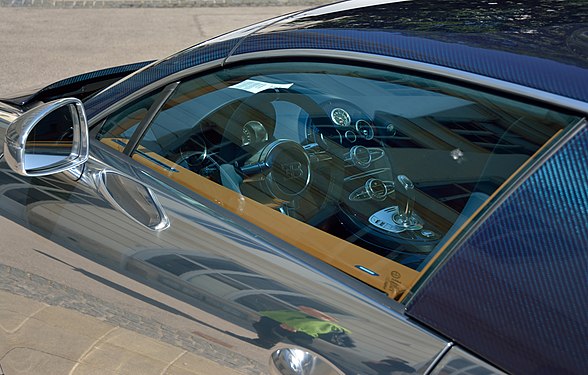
pixel 48 139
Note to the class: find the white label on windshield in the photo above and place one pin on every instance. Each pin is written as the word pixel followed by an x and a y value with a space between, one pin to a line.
pixel 254 86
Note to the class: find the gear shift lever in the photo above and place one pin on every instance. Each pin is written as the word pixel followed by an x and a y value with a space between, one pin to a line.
pixel 405 200
pixel 401 218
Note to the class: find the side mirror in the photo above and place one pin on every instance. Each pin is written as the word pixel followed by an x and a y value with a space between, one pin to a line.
pixel 48 139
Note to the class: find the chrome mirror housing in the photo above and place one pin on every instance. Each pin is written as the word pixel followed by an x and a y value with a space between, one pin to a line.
pixel 48 139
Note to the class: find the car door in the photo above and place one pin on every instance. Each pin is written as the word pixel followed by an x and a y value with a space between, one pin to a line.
pixel 386 165
pixel 374 171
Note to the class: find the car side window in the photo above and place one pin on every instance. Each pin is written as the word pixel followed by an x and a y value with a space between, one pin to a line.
pixel 119 127
pixel 383 166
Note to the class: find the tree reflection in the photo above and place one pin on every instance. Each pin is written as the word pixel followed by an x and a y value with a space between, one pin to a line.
pixel 534 27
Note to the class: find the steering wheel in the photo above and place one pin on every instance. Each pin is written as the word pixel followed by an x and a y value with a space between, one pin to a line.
pixel 278 172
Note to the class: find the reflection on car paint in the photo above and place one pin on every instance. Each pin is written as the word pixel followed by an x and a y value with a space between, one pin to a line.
pixel 217 262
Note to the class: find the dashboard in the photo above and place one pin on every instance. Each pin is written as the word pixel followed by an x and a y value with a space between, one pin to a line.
pixel 320 160
pixel 377 205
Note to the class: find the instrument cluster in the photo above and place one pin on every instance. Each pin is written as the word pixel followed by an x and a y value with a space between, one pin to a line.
pixel 352 128
pixel 353 136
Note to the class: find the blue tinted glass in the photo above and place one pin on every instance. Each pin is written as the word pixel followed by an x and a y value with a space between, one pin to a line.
pixel 390 162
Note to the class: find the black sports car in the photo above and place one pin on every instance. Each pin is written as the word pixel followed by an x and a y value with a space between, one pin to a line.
pixel 365 187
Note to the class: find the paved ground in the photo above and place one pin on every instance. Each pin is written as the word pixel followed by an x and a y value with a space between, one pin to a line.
pixel 61 313
pixel 40 46
pixel 38 338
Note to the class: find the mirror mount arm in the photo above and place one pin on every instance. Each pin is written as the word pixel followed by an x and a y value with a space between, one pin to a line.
pixel 75 173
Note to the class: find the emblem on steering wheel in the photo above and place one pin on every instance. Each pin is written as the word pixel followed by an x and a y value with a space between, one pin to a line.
pixel 292 170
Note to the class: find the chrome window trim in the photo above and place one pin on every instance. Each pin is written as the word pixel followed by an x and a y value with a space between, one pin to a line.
pixel 438 358
pixel 420 67
pixel 474 364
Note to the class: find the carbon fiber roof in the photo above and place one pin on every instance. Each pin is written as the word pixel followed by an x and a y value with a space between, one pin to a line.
pixel 541 44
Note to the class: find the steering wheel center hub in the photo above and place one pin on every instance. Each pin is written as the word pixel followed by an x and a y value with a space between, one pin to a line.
pixel 288 168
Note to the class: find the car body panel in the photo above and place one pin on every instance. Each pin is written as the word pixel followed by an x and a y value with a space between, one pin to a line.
pixel 82 220
pixel 81 86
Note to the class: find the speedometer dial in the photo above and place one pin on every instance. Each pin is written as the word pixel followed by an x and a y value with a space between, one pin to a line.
pixel 340 117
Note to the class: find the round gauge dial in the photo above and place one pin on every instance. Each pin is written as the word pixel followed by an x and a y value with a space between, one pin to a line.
pixel 340 117
pixel 360 156
pixel 253 132
pixel 365 129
